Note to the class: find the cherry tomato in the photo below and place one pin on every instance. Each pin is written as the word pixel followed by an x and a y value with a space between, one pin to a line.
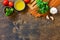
pixel 11 4
pixel 26 1
pixel 5 2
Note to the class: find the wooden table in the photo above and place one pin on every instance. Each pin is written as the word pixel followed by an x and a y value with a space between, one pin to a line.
pixel 28 27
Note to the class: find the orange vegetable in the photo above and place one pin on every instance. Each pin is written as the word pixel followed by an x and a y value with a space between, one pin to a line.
pixel 36 14
pixel 54 3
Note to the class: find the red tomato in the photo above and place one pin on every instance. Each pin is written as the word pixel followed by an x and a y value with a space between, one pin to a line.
pixel 11 4
pixel 26 1
pixel 5 2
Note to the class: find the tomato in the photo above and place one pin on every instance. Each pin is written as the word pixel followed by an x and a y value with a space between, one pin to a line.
pixel 5 2
pixel 11 4
pixel 26 1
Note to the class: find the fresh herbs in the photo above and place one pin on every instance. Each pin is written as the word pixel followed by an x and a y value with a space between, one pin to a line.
pixel 43 6
pixel 8 11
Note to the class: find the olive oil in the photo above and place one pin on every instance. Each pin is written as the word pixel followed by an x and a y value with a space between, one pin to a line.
pixel 19 5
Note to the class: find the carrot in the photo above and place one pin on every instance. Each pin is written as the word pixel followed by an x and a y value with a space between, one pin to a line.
pixel 54 3
pixel 44 15
pixel 46 0
pixel 36 14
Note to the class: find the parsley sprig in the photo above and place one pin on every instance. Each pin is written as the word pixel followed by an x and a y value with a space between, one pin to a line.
pixel 43 6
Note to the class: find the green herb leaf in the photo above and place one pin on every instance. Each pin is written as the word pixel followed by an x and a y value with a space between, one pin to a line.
pixel 43 6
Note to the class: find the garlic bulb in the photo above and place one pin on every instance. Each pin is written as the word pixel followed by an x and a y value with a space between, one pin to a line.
pixel 53 10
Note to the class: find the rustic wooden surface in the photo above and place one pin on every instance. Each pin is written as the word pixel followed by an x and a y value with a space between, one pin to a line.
pixel 28 27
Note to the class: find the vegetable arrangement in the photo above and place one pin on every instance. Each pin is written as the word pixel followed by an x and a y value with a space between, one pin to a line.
pixel 42 9
pixel 43 6
pixel 8 3
pixel 19 5
pixel 9 9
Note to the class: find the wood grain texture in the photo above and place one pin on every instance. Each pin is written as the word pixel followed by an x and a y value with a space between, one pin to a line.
pixel 28 27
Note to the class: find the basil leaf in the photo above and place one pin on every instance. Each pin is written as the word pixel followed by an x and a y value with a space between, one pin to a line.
pixel 43 6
